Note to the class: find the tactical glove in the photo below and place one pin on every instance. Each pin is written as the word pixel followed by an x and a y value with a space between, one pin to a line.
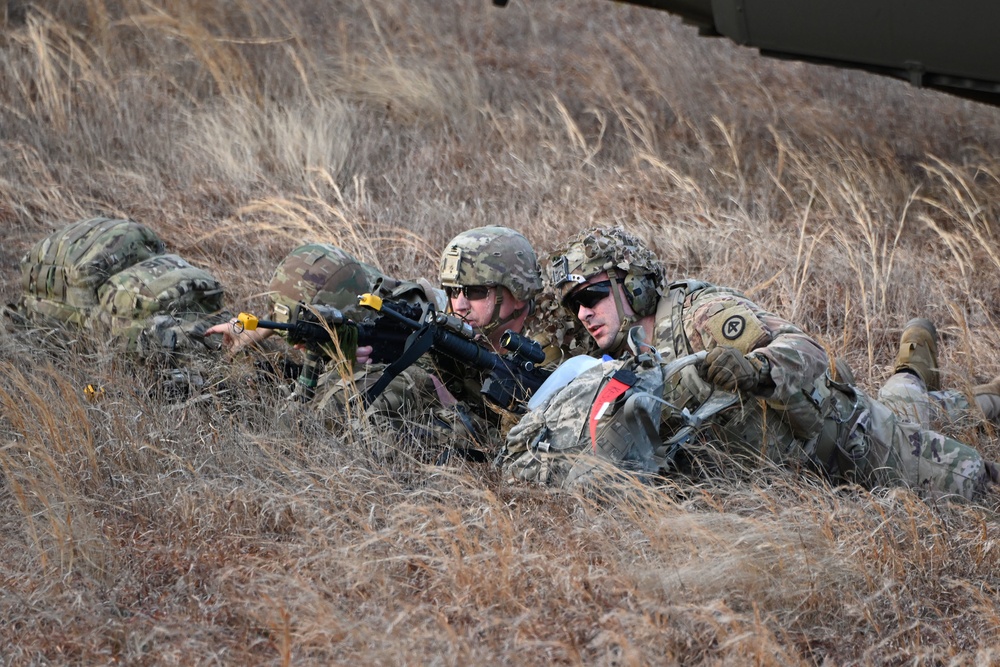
pixel 728 369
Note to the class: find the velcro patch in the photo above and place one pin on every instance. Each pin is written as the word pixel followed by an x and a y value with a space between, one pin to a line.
pixel 736 326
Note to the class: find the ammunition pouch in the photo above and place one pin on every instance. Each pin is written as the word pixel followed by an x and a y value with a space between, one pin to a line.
pixel 842 448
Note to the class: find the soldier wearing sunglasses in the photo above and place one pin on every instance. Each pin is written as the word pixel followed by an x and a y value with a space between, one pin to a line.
pixel 493 281
pixel 789 407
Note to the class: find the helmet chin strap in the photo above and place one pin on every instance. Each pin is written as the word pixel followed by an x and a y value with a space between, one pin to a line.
pixel 618 345
pixel 495 321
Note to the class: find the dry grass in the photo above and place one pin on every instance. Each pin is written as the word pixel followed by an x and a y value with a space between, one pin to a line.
pixel 151 531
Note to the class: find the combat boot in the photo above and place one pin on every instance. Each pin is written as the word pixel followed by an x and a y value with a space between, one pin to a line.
pixel 993 471
pixel 988 398
pixel 918 352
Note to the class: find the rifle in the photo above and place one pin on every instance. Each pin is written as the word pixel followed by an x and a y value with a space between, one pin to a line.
pixel 513 378
pixel 400 336
pixel 315 326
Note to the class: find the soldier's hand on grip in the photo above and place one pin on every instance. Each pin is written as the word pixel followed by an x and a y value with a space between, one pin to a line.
pixel 728 369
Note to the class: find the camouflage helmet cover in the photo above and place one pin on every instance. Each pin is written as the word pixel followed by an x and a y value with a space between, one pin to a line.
pixel 605 249
pixel 320 273
pixel 492 256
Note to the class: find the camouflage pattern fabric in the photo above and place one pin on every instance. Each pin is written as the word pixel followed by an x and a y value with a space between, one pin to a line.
pixel 744 433
pixel 113 275
pixel 465 383
pixel 161 285
pixel 437 395
pixel 492 256
pixel 805 419
pixel 169 335
pixel 551 445
pixel 414 404
pixel 711 316
pixel 557 330
pixel 452 406
pixel 880 447
pixel 902 452
pixel 61 274
pixel 601 250
pixel 907 396
pixel 323 274
pixel 635 274
pixel 440 394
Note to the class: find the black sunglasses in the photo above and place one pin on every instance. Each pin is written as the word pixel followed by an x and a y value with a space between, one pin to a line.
pixel 587 296
pixel 471 292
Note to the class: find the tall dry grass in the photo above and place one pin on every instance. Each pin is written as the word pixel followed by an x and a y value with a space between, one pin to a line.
pixel 146 530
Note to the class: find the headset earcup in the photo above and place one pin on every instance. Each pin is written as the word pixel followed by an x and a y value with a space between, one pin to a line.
pixel 641 294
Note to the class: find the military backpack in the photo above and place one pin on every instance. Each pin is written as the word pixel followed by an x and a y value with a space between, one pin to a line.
pixel 62 274
pixel 114 274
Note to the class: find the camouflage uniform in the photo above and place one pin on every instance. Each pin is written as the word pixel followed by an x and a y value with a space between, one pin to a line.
pixel 907 396
pixel 914 391
pixel 322 274
pixel 800 414
pixel 438 396
pixel 498 256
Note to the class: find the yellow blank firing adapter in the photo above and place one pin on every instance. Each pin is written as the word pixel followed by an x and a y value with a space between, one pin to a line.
pixel 245 322
pixel 93 393
pixel 371 300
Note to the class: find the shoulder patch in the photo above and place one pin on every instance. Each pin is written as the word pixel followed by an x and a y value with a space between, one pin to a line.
pixel 734 327
pixel 737 326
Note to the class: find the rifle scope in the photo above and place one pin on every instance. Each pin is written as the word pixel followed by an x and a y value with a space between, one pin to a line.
pixel 522 346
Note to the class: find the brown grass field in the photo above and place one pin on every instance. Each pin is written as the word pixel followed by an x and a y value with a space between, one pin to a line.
pixel 138 530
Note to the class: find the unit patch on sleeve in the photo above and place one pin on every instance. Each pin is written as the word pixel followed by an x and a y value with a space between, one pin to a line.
pixel 733 327
pixel 737 327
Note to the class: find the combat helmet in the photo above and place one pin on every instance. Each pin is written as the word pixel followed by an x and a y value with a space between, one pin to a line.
pixel 626 259
pixel 495 257
pixel 320 274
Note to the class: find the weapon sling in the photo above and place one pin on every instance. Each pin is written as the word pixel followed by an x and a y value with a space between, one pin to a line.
pixel 420 342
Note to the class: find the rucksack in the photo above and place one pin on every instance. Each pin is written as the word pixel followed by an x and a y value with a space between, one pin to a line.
pixel 612 416
pixel 161 285
pixel 114 275
pixel 62 274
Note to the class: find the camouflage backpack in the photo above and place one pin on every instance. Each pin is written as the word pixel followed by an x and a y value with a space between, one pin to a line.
pixel 616 415
pixel 62 273
pixel 112 274
pixel 581 430
pixel 158 286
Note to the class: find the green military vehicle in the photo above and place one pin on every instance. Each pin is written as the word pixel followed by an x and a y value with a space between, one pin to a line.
pixel 948 46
